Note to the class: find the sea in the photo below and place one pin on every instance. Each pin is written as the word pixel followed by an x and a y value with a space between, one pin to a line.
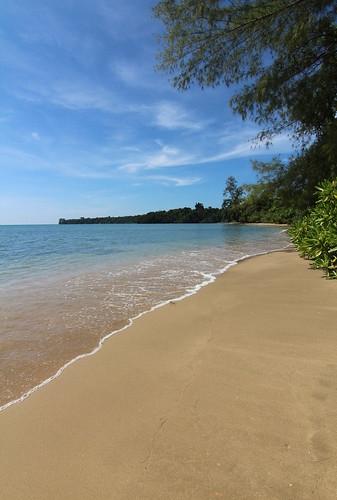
pixel 65 289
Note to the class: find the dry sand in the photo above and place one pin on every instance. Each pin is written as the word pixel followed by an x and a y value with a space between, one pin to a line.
pixel 229 394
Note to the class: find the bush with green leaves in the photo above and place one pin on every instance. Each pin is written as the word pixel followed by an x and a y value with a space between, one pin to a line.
pixel 315 236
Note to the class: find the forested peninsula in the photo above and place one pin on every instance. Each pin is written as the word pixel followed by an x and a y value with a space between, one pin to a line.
pixel 178 215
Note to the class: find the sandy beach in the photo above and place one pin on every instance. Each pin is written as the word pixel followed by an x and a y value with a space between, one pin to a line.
pixel 229 394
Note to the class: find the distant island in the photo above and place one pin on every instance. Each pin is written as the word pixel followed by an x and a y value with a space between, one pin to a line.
pixel 177 215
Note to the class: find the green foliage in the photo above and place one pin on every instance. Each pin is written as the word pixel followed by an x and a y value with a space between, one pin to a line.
pixel 176 215
pixel 271 199
pixel 233 194
pixel 315 236
pixel 283 53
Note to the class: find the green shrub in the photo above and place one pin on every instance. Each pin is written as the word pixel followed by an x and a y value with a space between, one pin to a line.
pixel 315 236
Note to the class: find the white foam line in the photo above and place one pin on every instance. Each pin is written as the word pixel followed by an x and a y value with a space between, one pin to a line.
pixel 210 278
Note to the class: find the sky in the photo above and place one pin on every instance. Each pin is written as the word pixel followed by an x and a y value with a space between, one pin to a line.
pixel 89 127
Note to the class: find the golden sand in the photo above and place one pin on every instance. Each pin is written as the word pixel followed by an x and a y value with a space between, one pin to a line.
pixel 228 394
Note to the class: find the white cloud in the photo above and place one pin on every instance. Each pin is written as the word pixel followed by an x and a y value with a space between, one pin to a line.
pixel 79 97
pixel 176 181
pixel 170 156
pixel 171 116
pixel 74 93
pixel 139 73
pixel 167 156
pixel 133 149
pixel 246 148
pixel 135 161
pixel 234 131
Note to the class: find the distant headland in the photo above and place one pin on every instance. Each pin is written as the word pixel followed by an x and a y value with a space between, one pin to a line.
pixel 177 215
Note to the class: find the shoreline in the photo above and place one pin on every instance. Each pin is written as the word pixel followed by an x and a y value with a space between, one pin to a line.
pixel 230 393
pixel 259 224
pixel 130 321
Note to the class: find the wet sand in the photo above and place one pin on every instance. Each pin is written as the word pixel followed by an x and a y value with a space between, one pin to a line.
pixel 230 393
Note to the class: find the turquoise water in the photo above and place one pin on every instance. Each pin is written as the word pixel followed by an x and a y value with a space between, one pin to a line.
pixel 29 250
pixel 65 287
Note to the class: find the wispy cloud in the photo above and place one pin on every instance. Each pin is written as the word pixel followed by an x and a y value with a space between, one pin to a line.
pixel 246 148
pixel 170 156
pixel 171 116
pixel 137 76
pixel 168 180
pixel 141 161
pixel 76 95
pixel 167 156
pixel 140 77
pixel 79 97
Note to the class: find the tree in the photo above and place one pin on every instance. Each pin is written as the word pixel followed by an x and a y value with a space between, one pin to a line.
pixel 272 198
pixel 279 195
pixel 233 194
pixel 283 53
pixel 199 211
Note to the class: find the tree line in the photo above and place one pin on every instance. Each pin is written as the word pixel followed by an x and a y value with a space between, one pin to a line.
pixel 198 214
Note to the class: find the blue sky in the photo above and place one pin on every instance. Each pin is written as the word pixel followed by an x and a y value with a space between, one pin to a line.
pixel 89 128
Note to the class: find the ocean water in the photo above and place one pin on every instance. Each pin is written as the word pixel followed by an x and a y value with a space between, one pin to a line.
pixel 64 288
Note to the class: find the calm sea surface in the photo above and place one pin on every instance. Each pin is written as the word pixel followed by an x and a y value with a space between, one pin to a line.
pixel 63 288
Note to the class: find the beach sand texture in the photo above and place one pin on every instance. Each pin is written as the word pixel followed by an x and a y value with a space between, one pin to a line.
pixel 228 394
